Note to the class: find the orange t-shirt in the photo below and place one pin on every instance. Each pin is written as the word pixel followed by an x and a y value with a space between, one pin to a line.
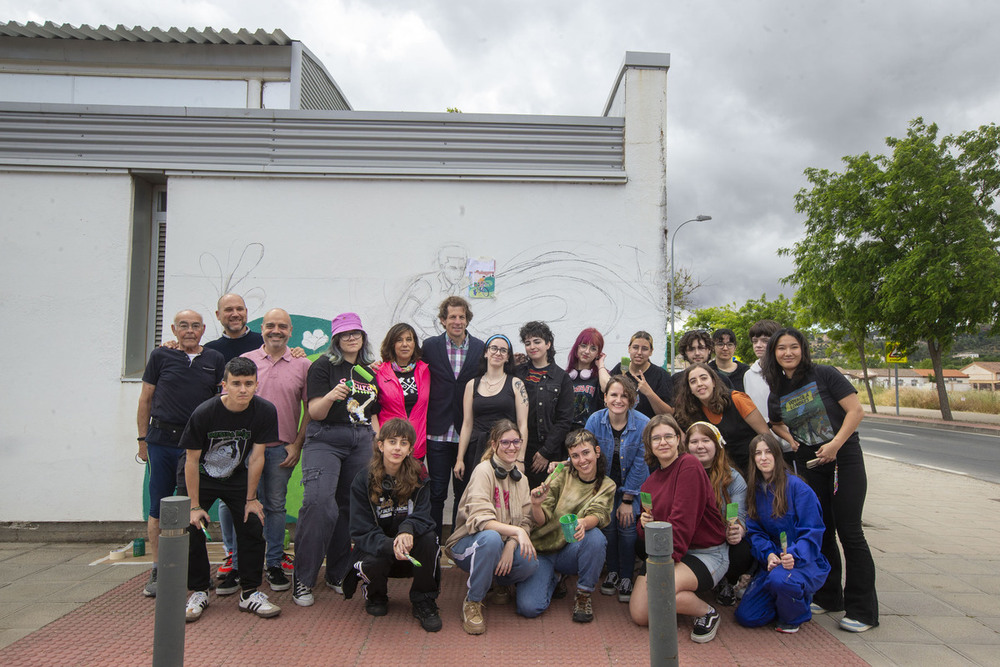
pixel 744 404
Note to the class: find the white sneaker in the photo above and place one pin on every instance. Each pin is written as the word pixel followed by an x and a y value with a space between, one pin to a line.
pixel 195 605
pixel 257 603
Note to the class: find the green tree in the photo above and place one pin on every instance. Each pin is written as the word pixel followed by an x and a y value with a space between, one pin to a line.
pixel 905 243
pixel 741 318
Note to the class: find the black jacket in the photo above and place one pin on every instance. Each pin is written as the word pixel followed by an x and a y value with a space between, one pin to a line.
pixel 444 407
pixel 550 411
pixel 374 527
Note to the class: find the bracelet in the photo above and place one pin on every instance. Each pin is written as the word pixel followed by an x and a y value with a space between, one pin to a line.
pixel 254 498
pixel 141 438
pixel 627 502
pixel 196 508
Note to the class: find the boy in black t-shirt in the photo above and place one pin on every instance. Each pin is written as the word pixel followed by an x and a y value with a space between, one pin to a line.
pixel 225 440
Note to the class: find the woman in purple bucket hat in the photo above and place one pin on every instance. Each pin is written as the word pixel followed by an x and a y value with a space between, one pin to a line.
pixel 343 406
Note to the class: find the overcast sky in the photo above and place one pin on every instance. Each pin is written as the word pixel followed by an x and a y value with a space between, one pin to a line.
pixel 757 91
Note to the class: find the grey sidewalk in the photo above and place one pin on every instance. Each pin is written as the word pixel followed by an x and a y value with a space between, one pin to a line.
pixel 937 572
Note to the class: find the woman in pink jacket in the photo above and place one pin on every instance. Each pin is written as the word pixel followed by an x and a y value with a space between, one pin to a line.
pixel 404 383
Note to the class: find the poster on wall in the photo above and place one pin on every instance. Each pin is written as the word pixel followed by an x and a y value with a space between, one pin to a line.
pixel 482 278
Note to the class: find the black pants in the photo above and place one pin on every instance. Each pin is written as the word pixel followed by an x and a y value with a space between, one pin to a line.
pixel 741 560
pixel 842 508
pixel 375 570
pixel 249 536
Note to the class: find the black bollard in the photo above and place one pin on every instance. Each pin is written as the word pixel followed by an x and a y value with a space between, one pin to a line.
pixel 661 593
pixel 171 583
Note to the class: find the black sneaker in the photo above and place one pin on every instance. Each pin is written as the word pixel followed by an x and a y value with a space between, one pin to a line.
pixel 277 579
pixel 610 585
pixel 705 627
pixel 426 611
pixel 725 594
pixel 583 609
pixel 302 595
pixel 229 585
pixel 336 584
pixel 149 590
pixel 377 607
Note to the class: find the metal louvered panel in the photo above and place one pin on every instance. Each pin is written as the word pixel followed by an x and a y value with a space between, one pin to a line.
pixel 318 91
pixel 344 143
pixel 50 30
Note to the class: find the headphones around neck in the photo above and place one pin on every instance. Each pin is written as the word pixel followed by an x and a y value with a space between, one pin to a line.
pixel 501 473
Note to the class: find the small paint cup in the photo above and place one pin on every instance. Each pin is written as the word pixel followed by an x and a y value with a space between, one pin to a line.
pixel 568 523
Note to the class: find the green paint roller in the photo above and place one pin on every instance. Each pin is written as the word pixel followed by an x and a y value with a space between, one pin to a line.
pixel 732 512
pixel 784 543
pixel 646 500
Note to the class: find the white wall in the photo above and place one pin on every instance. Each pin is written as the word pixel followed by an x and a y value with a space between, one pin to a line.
pixel 144 91
pixel 64 412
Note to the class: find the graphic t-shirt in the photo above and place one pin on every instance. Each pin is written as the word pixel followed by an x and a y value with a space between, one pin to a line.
pixel 587 399
pixel 810 407
pixel 225 438
pixel 362 400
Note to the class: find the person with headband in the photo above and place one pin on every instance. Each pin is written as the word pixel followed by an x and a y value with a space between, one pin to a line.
pixel 584 366
pixel 705 443
pixel 492 538
pixel 495 393
pixel 785 527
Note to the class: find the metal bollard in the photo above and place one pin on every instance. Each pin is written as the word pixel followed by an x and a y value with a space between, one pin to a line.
pixel 171 584
pixel 661 593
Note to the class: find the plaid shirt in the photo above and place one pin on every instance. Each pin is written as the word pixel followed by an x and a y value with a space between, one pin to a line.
pixel 456 357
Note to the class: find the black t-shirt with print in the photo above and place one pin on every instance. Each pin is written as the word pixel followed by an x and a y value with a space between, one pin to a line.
pixel 810 407
pixel 362 401
pixel 226 438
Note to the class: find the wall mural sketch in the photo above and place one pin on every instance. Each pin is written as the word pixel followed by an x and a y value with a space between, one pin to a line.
pixel 555 285
pixel 232 275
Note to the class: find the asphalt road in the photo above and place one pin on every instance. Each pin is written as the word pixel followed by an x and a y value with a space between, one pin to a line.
pixel 972 454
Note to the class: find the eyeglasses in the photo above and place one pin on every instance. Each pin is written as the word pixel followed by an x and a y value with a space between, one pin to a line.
pixel 351 335
pixel 663 437
pixel 725 345
pixel 493 349
pixel 510 444
pixel 185 326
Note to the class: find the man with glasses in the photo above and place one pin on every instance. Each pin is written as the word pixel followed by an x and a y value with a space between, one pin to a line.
pixel 175 382
pixel 696 347
pixel 724 341
pixel 453 358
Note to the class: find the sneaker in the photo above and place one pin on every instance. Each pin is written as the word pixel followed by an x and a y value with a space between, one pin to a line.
pixel 287 563
pixel 226 567
pixel 851 625
pixel 229 585
pixel 705 627
pixel 787 628
pixel 426 611
pixel 277 579
pixel 472 618
pixel 560 591
pixel 377 607
pixel 337 585
pixel 725 594
pixel 500 594
pixel 195 605
pixel 816 609
pixel 610 585
pixel 302 595
pixel 149 590
pixel 583 609
pixel 624 590
pixel 256 602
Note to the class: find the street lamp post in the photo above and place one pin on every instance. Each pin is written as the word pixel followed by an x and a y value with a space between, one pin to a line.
pixel 699 218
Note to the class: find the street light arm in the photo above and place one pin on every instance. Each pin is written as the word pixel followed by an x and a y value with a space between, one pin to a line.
pixel 670 296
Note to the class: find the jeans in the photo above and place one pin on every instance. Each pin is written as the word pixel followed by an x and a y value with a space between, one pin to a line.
pixel 479 555
pixel 584 558
pixel 621 542
pixel 228 531
pixel 842 511
pixel 440 459
pixel 332 457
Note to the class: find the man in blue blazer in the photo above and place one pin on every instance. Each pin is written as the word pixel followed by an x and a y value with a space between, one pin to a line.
pixel 453 358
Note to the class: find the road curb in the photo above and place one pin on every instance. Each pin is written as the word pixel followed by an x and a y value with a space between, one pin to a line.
pixel 984 429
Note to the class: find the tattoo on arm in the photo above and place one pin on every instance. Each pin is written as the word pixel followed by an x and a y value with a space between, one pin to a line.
pixel 524 393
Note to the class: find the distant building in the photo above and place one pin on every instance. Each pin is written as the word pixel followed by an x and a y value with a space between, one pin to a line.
pixel 983 375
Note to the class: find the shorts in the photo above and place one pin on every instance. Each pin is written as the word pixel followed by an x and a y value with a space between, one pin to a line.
pixel 164 462
pixel 709 565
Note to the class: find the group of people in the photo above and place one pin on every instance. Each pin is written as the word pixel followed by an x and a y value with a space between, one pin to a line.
pixel 556 472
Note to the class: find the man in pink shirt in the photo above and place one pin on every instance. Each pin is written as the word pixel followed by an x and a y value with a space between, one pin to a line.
pixel 281 379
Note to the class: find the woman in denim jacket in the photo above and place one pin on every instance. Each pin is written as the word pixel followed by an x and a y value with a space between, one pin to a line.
pixel 618 429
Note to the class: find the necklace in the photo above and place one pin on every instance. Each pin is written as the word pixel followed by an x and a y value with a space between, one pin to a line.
pixel 493 384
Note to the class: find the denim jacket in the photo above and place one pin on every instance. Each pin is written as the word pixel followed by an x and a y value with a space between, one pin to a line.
pixel 634 468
